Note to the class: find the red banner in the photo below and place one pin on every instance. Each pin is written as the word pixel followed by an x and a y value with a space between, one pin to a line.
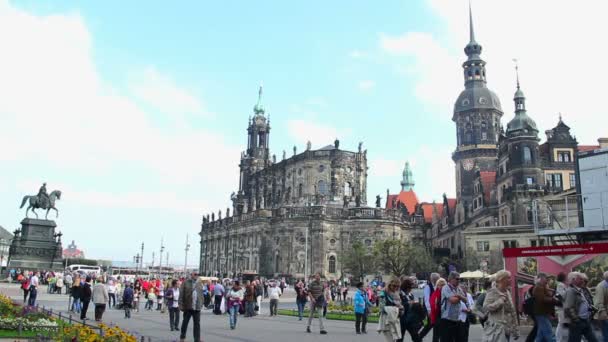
pixel 590 248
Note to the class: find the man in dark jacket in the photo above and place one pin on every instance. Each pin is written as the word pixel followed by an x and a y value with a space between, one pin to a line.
pixel 85 297
pixel 190 303
pixel 127 300
pixel 544 307
pixel 578 310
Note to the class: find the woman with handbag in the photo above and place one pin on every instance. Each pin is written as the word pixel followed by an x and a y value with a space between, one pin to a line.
pixel 501 325
pixel 235 298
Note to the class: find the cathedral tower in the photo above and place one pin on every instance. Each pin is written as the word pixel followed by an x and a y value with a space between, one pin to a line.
pixel 407 183
pixel 477 114
pixel 257 156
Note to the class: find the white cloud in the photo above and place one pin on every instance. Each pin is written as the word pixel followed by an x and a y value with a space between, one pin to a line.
pixel 161 92
pixel 366 85
pixel 318 134
pixel 562 63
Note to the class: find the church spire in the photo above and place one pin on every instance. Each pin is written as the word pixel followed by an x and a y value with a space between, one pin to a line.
pixel 519 98
pixel 407 183
pixel 471 30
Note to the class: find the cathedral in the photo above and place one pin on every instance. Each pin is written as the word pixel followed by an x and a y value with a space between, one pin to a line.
pixel 296 216
pixel 508 184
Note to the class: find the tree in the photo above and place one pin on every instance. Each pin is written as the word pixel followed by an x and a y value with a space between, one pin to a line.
pixel 402 258
pixel 358 261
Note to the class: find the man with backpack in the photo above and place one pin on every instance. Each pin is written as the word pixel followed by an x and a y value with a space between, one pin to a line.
pixel 528 308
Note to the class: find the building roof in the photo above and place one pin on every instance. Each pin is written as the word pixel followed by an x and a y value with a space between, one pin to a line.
pixel 488 181
pixel 586 148
pixel 5 234
pixel 427 211
pixel 408 198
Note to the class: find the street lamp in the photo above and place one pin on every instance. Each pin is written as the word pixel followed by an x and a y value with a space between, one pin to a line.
pixel 186 258
pixel 141 257
pixel 160 258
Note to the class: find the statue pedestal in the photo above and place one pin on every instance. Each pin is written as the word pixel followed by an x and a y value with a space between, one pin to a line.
pixel 36 248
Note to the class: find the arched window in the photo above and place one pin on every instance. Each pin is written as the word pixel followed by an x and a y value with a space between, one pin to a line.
pixel 347 189
pixel 300 190
pixel 527 154
pixel 332 264
pixel 322 187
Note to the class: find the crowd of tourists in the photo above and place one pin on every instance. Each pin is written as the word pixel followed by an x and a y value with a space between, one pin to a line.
pixel 561 308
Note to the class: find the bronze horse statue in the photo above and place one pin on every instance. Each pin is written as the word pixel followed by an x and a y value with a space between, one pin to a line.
pixel 41 203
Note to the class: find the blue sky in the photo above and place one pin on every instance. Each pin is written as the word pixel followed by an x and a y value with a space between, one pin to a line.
pixel 137 110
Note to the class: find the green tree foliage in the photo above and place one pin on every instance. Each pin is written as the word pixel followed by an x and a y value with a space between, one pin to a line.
pixel 358 261
pixel 402 258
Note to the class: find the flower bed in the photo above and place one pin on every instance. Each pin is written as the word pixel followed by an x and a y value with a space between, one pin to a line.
pixel 17 321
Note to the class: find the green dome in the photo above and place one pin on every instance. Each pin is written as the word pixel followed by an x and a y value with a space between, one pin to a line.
pixel 521 123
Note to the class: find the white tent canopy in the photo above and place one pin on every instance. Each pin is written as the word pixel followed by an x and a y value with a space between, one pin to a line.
pixel 473 275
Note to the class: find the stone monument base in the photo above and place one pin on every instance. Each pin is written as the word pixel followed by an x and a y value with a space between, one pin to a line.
pixel 36 247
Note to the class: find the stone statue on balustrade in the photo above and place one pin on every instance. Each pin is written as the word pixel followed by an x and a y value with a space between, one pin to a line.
pixel 378 199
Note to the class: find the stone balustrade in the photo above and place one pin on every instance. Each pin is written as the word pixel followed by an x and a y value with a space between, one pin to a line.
pixel 318 211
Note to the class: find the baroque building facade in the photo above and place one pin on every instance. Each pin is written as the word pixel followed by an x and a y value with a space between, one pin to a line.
pixel 296 216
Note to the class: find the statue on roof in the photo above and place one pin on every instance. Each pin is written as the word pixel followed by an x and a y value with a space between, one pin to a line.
pixel 284 155
pixel 360 146
pixel 337 143
pixel 378 199
pixel 308 145
pixel 294 150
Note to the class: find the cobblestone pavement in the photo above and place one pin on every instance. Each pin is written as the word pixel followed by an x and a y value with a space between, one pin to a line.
pixel 215 328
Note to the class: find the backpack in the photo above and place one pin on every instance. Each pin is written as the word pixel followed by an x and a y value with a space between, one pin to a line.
pixel 528 305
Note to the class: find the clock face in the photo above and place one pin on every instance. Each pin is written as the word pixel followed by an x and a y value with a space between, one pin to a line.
pixel 468 164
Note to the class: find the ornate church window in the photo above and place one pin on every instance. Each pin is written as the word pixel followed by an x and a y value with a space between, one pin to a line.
pixel 332 264
pixel 332 242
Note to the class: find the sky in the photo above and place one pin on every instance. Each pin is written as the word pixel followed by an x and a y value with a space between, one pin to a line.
pixel 137 111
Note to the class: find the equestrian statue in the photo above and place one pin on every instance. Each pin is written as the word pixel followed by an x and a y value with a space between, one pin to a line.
pixel 43 201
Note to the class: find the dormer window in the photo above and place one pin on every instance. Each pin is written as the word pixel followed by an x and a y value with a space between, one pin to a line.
pixel 563 157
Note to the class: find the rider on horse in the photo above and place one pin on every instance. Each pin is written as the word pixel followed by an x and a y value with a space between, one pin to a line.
pixel 43 197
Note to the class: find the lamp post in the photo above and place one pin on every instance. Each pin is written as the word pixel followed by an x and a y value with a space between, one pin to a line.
pixel 141 257
pixel 186 257
pixel 137 259
pixel 160 257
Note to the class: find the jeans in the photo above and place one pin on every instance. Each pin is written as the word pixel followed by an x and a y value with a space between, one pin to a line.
pixel 273 307
pixel 76 305
pixel 174 318
pixel 319 310
pixel 234 311
pixel 111 300
pixel 544 332
pixel 301 306
pixel 25 293
pixel 604 326
pixel 249 306
pixel 33 295
pixel 532 335
pixel 127 307
pixel 196 318
pixel 436 332
pixel 99 309
pixel 580 329
pixel 360 322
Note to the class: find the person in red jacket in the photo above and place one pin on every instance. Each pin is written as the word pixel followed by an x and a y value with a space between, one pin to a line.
pixel 435 303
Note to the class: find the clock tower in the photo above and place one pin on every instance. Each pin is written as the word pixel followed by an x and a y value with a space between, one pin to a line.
pixel 477 114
